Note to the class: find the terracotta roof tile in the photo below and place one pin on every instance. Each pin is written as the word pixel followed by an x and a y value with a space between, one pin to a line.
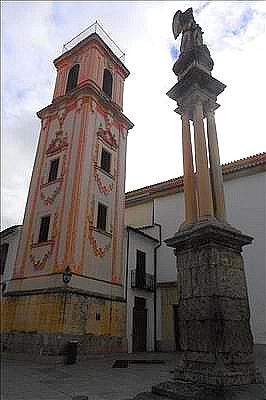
pixel 231 167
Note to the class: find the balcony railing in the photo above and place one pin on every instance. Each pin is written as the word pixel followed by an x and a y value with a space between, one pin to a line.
pixel 96 28
pixel 145 281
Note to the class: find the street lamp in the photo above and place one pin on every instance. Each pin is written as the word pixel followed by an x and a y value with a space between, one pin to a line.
pixel 67 275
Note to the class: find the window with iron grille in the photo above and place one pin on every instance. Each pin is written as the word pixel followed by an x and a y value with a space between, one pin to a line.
pixel 102 217
pixel 106 160
pixel 44 229
pixel 54 164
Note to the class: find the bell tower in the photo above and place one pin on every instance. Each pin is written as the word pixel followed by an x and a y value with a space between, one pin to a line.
pixel 71 244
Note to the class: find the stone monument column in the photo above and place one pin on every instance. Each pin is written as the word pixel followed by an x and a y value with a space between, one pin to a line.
pixel 202 169
pixel 216 344
pixel 189 176
pixel 215 168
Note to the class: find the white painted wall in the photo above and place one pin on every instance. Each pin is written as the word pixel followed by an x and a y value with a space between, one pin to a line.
pixel 246 208
pixel 12 239
pixel 169 212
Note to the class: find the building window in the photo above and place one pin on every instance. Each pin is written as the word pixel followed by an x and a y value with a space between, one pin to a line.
pixel 3 256
pixel 102 217
pixel 107 83
pixel 44 229
pixel 140 269
pixel 54 164
pixel 72 79
pixel 106 160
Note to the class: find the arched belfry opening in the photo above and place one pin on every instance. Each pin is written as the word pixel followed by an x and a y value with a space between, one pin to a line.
pixel 72 79
pixel 107 83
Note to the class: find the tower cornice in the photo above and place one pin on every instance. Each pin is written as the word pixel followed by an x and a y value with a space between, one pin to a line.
pixel 88 89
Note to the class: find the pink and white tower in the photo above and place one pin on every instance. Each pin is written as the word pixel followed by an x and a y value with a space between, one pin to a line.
pixel 68 277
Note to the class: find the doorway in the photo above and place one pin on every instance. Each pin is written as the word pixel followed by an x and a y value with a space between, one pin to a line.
pixel 139 325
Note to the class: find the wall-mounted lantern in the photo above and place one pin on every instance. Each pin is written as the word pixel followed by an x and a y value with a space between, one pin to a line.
pixel 67 275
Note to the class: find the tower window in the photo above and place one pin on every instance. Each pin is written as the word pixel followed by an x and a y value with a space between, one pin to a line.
pixel 54 164
pixel 106 160
pixel 72 79
pixel 102 217
pixel 107 83
pixel 3 256
pixel 44 229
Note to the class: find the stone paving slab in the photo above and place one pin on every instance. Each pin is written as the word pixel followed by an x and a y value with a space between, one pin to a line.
pixel 94 378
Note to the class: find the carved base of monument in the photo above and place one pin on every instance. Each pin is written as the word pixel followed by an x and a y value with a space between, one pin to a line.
pixel 180 390
pixel 215 337
pixel 216 359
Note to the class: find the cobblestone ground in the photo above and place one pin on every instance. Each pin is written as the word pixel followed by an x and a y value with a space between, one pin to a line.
pixel 93 379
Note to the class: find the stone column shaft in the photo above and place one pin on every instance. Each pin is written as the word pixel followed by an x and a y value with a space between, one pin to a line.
pixel 216 169
pixel 205 203
pixel 189 178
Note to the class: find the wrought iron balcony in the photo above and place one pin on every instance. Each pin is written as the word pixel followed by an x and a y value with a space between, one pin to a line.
pixel 142 281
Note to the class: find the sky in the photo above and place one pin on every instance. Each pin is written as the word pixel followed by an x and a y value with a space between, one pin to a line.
pixel 33 34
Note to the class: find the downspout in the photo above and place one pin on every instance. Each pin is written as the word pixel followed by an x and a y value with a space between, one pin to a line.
pixel 126 288
pixel 155 280
pixel 127 258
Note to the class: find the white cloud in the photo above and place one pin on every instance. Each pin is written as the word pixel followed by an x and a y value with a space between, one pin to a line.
pixel 34 33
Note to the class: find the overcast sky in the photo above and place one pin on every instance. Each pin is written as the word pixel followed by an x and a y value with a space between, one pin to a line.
pixel 33 34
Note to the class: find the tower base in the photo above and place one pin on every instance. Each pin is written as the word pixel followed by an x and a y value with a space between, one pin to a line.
pixel 42 322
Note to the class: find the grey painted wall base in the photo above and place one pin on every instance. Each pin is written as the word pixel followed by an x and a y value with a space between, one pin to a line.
pixel 166 345
pixel 214 331
pixel 48 344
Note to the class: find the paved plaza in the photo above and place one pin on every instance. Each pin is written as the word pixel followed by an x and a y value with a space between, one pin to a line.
pixel 24 379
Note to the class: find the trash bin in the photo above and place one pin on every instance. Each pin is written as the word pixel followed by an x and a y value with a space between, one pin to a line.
pixel 71 350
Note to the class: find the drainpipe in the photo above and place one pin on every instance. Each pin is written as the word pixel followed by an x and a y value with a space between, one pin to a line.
pixel 127 258
pixel 155 282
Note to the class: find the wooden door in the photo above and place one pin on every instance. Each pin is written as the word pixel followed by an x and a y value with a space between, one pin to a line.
pixel 139 325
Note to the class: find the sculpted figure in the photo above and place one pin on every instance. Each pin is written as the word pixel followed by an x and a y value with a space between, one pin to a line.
pixel 191 31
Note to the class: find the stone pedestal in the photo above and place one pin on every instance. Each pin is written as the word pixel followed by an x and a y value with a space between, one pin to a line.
pixel 215 337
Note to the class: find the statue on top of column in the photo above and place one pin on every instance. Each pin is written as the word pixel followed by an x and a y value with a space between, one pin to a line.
pixel 192 49
pixel 191 31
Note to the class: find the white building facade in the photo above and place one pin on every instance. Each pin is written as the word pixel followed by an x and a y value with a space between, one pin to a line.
pixel 9 239
pixel 153 214
pixel 163 203
pixel 140 250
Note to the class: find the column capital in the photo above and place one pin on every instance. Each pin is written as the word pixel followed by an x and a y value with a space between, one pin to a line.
pixel 184 115
pixel 184 112
pixel 210 107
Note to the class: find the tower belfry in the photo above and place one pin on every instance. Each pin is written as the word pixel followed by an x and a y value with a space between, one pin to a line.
pixel 74 218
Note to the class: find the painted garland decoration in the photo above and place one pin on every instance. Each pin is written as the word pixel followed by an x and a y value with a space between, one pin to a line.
pixel 50 199
pixel 98 251
pixel 40 264
pixel 101 186
pixel 58 144
pixel 107 136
